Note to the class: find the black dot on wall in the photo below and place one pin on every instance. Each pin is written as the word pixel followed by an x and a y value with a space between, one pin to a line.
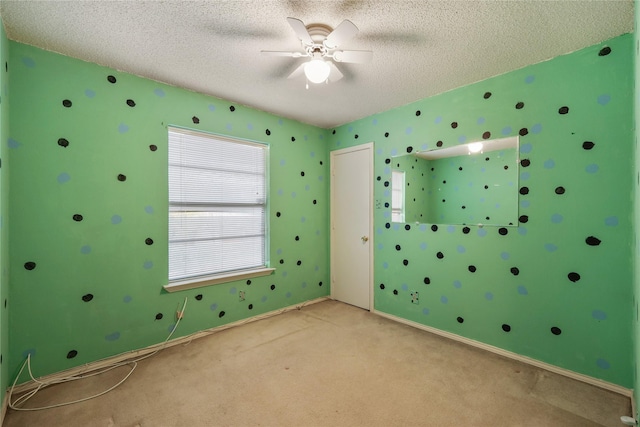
pixel 604 51
pixel 409 149
pixel 395 292
pixel 440 255
pixel 153 147
pixel 427 281
pixel 131 103
pixel 302 173
pixel 386 183
pixel 382 286
pixel 387 161
pixel 315 201
pixel 272 287
pixel 221 314
pixel 556 331
pixel 523 131
pixel 159 316
pixel 486 187
pixel 195 120
pixel 250 307
pixel 293 139
pixel 460 319
pixel 434 228
pixel 454 125
pixel 67 103
pixel 439 144
pixel 472 268
pixel 525 163
pixel 122 178
pixel 559 190
pixel 232 108
pixel 111 79
pixel 355 136
pixel 466 230
pixel 524 190
pixel 386 134
pixel 405 262
pixel 199 297
pixel 87 297
pixel 378 178
pixel 319 283
pixel 268 132
pixel 506 328
pixel 30 265
pixel 63 142
pixel 418 113
pixel 563 110
pixel 148 241
pixel 407 227
pixel 278 214
pixel 523 219
pixel 398 247
pixel 503 231
pixel 282 261
pixel 573 276
pixel 387 225
pixel 515 271
pixel 519 105
pixel 487 95
pixel 588 145
pixel 248 282
pixel 299 262
pixel 506 167
pixel 486 135
pixel 77 217
pixel 297 238
pixel 334 132
pixel 72 354
pixel 592 241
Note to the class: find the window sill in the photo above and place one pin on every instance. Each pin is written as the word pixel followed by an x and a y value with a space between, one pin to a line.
pixel 199 282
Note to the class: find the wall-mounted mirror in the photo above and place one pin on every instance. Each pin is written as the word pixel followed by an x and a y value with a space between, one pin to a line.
pixel 475 183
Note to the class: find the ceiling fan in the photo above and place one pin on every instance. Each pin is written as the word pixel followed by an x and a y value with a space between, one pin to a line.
pixel 320 43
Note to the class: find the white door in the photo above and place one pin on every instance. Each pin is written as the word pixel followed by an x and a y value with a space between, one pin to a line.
pixel 351 225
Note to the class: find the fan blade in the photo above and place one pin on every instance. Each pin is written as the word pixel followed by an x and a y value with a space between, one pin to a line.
pixel 335 74
pixel 301 30
pixel 279 53
pixel 355 56
pixel 344 31
pixel 298 71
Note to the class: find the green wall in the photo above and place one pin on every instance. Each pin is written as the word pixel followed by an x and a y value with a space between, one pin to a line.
pixel 84 284
pixel 557 288
pixel 636 211
pixel 4 213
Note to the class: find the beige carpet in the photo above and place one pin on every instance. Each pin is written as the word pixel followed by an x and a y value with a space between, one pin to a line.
pixel 328 364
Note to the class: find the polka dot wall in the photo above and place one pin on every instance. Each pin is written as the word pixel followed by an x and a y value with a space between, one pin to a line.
pixel 556 286
pixel 88 202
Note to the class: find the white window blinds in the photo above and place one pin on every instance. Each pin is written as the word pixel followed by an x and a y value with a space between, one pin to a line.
pixel 217 205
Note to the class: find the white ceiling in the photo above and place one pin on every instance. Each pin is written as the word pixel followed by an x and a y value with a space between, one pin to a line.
pixel 420 48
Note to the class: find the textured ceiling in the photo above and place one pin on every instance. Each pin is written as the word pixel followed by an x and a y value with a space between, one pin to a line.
pixel 420 48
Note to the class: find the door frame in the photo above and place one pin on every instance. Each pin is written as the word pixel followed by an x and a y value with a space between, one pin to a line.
pixel 369 146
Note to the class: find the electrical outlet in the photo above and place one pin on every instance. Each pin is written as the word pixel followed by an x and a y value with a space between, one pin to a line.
pixel 415 298
pixel 241 295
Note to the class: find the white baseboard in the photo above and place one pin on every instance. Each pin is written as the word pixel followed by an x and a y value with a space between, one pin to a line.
pixel 103 363
pixel 546 366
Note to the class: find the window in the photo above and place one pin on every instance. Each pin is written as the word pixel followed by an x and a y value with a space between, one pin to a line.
pixel 397 196
pixel 217 209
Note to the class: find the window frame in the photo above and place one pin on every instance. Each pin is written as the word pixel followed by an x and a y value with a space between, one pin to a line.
pixel 233 275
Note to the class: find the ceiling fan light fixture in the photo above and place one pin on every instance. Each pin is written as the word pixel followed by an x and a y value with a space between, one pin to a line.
pixel 317 71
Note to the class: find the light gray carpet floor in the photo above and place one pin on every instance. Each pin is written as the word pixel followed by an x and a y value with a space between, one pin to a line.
pixel 328 364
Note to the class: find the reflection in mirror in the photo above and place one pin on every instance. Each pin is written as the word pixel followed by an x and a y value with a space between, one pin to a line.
pixel 475 183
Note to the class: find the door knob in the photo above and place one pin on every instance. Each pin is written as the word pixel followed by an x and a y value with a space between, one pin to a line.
pixel 364 239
